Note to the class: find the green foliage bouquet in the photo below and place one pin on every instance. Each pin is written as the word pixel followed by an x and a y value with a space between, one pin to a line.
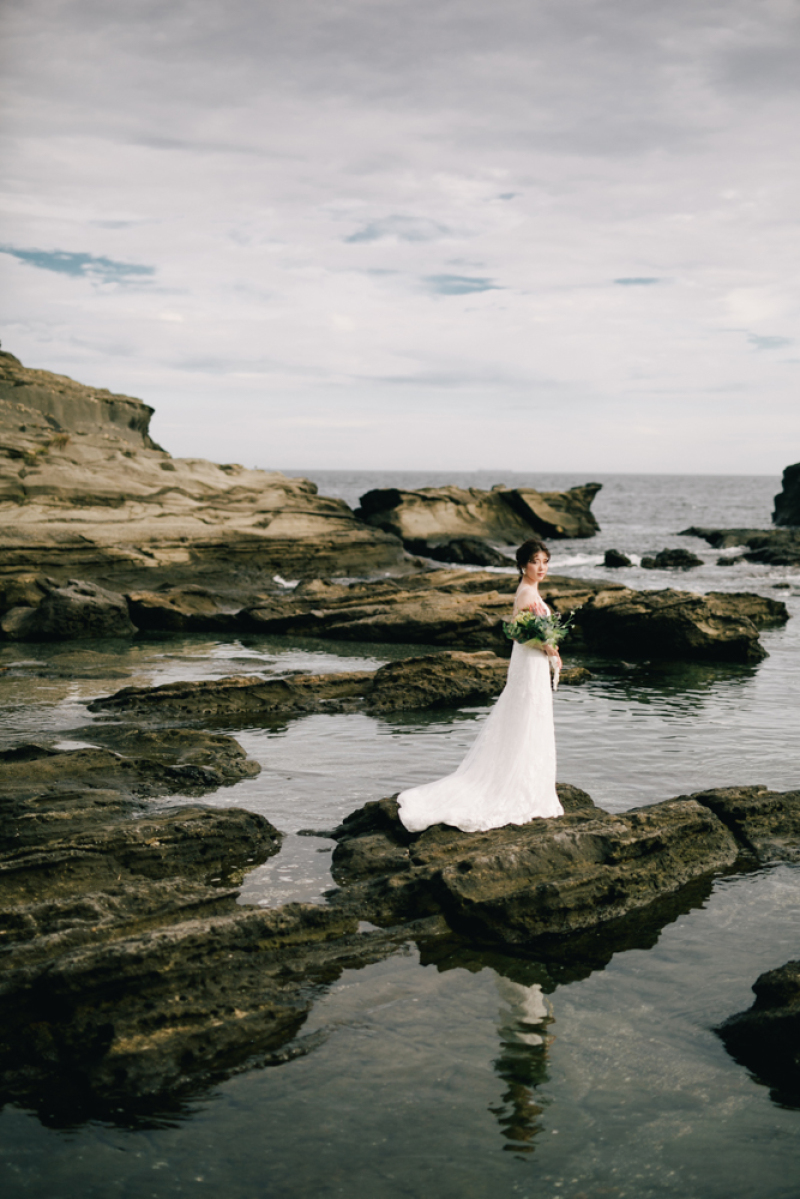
pixel 531 627
pixel 534 629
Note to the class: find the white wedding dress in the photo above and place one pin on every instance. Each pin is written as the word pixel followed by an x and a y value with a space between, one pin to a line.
pixel 509 775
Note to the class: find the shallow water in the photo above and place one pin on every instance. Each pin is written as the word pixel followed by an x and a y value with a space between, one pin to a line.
pixel 477 1074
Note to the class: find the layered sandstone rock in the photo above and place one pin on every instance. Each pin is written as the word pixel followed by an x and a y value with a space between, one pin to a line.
pixel 437 516
pixel 85 492
pixel 446 608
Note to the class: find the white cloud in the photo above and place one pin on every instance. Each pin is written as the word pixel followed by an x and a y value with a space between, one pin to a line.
pixel 456 233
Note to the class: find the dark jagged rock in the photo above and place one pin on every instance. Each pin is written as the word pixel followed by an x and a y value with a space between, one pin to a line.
pixel 77 610
pixel 459 609
pixel 143 763
pixel 766 1038
pixel 615 559
pixel 771 547
pixel 463 551
pixel 723 539
pixel 787 501
pixel 447 679
pixel 527 884
pixel 767 823
pixel 190 609
pixel 521 883
pixel 125 973
pixel 678 625
pixel 505 516
pixel 670 559
pixel 226 697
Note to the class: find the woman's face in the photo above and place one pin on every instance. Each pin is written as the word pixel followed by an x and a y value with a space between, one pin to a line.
pixel 536 569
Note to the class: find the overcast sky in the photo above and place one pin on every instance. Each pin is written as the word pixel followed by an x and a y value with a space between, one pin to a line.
pixel 456 234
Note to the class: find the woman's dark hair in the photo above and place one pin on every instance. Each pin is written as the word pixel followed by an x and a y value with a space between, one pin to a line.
pixel 528 550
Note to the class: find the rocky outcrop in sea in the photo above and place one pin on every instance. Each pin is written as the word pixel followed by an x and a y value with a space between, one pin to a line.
pixel 444 522
pixel 85 493
pixel 130 974
pixel 787 501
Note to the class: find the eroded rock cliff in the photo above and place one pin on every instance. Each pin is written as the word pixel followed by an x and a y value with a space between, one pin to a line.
pixel 86 493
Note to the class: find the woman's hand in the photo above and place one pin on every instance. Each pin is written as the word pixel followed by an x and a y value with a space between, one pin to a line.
pixel 553 653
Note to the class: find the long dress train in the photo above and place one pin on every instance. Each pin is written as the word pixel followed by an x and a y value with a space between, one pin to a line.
pixel 509 774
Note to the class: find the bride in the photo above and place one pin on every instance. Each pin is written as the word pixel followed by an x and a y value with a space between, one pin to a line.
pixel 509 774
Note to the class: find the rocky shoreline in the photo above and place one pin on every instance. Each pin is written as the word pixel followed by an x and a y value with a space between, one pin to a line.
pixel 132 976
pixel 448 608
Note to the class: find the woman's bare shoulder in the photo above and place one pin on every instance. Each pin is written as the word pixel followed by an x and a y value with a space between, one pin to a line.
pixel 525 597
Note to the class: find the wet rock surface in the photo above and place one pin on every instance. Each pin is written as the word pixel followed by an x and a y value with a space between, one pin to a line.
pixel 85 492
pixel 461 609
pixel 467 609
pixel 557 877
pixel 76 611
pixel 503 516
pixel 447 679
pixel 128 969
pixel 772 547
pixel 671 559
pixel 764 822
pixel 787 501
pixel 466 551
pixel 615 559
pixel 679 625
pixel 766 1038
pixel 545 879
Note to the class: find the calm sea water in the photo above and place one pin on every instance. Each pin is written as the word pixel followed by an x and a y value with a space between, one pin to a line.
pixel 465 1077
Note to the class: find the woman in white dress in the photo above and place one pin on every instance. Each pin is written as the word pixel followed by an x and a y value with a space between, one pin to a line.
pixel 509 775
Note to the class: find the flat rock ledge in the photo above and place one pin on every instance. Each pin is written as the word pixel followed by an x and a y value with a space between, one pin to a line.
pixel 129 971
pixel 467 610
pixel 131 977
pixel 552 878
pixel 766 1038
pixel 456 609
pixel 444 680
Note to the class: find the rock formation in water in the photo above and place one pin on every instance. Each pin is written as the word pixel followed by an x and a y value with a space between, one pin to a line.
pixel 128 969
pixel 461 610
pixel 445 680
pixel 467 610
pixel 766 1038
pixel 787 501
pixel 130 974
pixel 772 547
pixel 86 493
pixel 555 877
pixel 670 560
pixel 436 520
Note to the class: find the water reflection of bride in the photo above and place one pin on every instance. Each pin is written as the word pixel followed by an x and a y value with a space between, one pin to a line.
pixel 522 1064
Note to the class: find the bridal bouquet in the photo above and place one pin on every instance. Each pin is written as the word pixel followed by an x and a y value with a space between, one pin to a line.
pixel 532 628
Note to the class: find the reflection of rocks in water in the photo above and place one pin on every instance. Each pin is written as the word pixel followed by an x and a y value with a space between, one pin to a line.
pixel 522 1064
pixel 766 1038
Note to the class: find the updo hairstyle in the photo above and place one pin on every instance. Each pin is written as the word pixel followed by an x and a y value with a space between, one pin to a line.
pixel 529 549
